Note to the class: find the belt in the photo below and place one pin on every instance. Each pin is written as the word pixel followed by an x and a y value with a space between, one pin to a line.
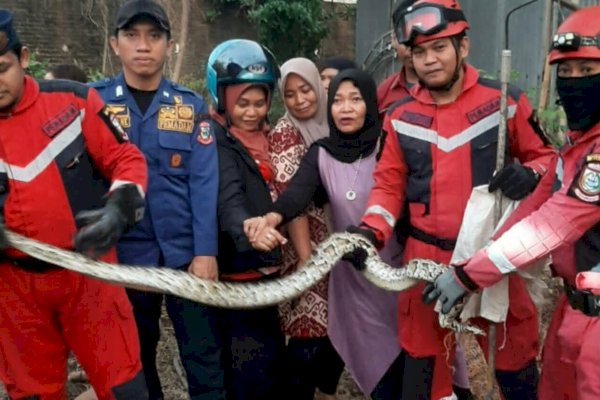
pixel 29 264
pixel 444 244
pixel 584 301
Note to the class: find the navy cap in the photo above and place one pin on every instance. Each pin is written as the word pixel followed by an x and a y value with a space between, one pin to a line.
pixel 136 8
pixel 8 36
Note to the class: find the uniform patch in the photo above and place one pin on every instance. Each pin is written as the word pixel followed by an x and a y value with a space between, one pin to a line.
pixel 204 134
pixel 483 111
pixel 586 185
pixel 414 118
pixel 175 160
pixel 60 121
pixel 121 111
pixel 112 122
pixel 176 118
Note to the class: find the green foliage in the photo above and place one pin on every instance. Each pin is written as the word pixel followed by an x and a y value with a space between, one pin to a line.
pixel 290 28
pixel 95 74
pixel 194 83
pixel 37 67
pixel 553 122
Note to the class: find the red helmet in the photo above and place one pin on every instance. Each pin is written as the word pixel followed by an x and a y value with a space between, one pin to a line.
pixel 428 20
pixel 578 36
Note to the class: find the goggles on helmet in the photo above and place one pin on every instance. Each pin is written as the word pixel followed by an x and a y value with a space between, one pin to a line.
pixel 569 41
pixel 425 19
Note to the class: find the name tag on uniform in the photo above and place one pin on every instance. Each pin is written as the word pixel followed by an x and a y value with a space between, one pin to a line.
pixel 176 118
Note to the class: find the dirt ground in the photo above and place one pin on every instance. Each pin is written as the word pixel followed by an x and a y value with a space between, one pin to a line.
pixel 174 385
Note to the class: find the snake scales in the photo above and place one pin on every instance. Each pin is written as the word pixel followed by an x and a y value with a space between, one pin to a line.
pixel 246 295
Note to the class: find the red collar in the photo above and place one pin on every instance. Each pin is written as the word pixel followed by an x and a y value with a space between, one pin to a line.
pixel 30 93
pixel 576 137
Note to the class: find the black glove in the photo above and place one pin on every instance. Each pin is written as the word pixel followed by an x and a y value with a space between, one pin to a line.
pixel 100 229
pixel 358 256
pixel 515 181
pixel 450 287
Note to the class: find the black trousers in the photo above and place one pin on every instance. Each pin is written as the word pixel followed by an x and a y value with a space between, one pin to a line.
pixel 196 331
pixel 311 363
pixel 253 348
pixel 410 378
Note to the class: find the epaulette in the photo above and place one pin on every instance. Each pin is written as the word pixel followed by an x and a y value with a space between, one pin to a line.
pixel 102 83
pixel 513 91
pixel 184 89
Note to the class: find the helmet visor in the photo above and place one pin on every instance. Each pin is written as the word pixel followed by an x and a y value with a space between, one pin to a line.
pixel 425 19
pixel 570 41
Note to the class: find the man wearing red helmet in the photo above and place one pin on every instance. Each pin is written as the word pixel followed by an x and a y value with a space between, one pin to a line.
pixel 397 86
pixel 440 143
pixel 561 218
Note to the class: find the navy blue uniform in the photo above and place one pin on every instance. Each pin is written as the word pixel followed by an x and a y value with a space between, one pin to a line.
pixel 180 222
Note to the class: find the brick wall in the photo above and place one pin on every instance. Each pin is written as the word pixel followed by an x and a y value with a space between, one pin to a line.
pixel 74 31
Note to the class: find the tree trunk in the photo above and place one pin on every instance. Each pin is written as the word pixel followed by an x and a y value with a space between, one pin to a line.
pixel 183 35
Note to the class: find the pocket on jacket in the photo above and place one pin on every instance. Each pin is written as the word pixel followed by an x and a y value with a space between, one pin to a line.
pixel 483 157
pixel 175 153
pixel 417 156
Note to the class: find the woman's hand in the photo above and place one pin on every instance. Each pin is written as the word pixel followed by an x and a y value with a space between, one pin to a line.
pixel 267 239
pixel 253 226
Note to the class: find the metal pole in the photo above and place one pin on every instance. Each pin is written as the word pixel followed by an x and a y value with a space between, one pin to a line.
pixel 500 160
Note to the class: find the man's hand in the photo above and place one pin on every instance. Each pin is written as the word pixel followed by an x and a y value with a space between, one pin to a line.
pixel 516 181
pixel 448 288
pixel 100 230
pixel 204 267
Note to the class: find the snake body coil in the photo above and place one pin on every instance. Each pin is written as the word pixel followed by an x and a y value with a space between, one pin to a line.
pixel 246 295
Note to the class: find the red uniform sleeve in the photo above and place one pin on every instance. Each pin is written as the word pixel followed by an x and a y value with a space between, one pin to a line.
pixel 525 138
pixel 388 192
pixel 560 221
pixel 108 145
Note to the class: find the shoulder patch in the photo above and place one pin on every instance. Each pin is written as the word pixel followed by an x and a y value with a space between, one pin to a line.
pixel 112 122
pixel 205 135
pixel 586 185
pixel 60 121
pixel 483 110
pixel 415 118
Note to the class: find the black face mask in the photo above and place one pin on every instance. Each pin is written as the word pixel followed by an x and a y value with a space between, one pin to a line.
pixel 580 100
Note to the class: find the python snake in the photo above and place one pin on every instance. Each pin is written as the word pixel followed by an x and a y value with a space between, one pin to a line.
pixel 247 295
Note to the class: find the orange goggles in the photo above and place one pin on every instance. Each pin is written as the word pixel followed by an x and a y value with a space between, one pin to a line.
pixel 424 19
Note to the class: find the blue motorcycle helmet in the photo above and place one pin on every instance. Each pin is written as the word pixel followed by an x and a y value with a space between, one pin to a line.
pixel 239 61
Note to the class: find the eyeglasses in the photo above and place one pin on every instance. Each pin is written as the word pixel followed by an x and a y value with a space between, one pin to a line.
pixel 425 19
pixel 570 41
